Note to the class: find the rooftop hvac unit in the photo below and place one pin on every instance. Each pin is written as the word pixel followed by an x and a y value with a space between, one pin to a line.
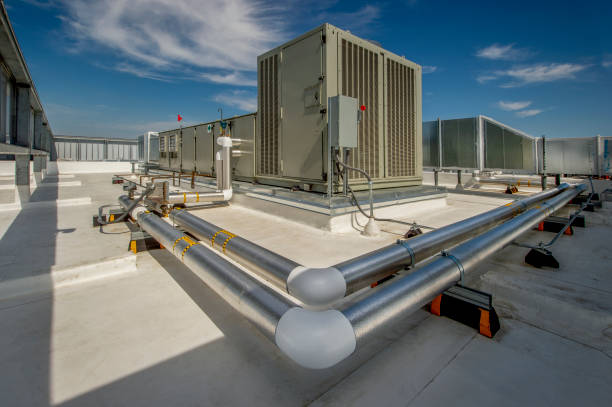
pixel 192 149
pixel 295 81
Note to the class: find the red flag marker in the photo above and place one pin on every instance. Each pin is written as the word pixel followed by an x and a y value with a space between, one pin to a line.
pixel 179 118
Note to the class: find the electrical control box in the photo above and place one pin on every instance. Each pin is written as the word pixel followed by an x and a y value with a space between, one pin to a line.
pixel 342 118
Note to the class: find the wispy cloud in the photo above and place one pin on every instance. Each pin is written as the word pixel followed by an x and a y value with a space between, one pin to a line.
pixel 485 78
pixel 502 52
pixel 539 73
pixel 529 113
pixel 159 39
pixel 510 106
pixel 233 78
pixel 358 20
pixel 243 100
pixel 429 69
pixel 607 64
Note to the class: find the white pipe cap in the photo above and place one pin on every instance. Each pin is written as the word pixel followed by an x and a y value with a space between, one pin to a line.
pixel 315 339
pixel 317 288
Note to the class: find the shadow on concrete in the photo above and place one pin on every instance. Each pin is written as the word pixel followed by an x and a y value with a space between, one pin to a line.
pixel 241 368
pixel 28 247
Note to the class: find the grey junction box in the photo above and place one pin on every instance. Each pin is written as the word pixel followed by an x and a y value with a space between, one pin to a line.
pixel 342 121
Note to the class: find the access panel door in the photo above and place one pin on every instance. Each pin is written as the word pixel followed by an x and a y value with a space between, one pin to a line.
pixel 302 122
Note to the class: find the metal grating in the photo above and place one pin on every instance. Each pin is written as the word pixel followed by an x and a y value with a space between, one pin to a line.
pixel 401 126
pixel 268 117
pixel 360 80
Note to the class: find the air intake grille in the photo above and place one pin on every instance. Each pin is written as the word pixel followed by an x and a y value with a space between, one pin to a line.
pixel 268 116
pixel 360 80
pixel 401 126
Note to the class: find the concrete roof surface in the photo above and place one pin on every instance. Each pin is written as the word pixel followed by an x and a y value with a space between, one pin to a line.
pixel 85 322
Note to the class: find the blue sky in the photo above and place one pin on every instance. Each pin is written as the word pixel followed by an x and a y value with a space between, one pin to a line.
pixel 117 68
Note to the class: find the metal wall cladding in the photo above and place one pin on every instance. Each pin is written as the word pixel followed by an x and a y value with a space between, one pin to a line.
pixel 431 145
pixel 196 147
pixel 460 143
pixel 204 150
pixel 174 151
pixel 302 124
pixel 167 158
pixel 243 128
pixel 401 133
pixel 268 116
pixel 571 156
pixel 605 155
pixel 295 81
pixel 188 149
pixel 507 149
pixel 90 149
pixel 360 79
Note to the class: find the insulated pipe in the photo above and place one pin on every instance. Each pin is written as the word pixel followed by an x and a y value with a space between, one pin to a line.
pixel 360 271
pixel 194 197
pixel 323 283
pixel 511 181
pixel 269 265
pixel 408 293
pixel 321 287
pixel 314 340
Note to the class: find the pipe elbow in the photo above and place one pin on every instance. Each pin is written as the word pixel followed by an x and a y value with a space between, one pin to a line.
pixel 227 194
pixel 317 288
pixel 315 339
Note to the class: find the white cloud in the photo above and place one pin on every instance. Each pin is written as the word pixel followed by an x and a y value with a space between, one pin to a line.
pixel 510 106
pixel 232 78
pixel 543 72
pixel 243 100
pixel 358 20
pixel 169 38
pixel 539 73
pixel 485 78
pixel 529 113
pixel 502 52
pixel 429 69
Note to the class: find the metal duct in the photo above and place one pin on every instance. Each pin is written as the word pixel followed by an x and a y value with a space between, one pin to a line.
pixel 362 270
pixel 256 302
pixel 194 197
pixel 408 293
pixel 322 339
pixel 314 340
pixel 269 265
pixel 322 287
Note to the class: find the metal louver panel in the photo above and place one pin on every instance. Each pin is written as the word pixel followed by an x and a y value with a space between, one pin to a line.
pixel 401 126
pixel 360 80
pixel 267 160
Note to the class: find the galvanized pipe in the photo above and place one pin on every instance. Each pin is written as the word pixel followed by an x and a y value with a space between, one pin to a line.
pixel 312 339
pixel 195 197
pixel 269 265
pixel 322 287
pixel 322 339
pixel 361 271
pixel 256 302
pixel 390 303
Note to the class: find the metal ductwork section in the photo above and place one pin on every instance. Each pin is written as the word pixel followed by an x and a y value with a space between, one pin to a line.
pixel 321 339
pixel 410 292
pixel 323 287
